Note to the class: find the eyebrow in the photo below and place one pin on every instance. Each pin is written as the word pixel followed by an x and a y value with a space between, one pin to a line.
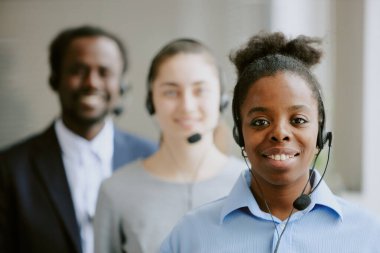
pixel 200 82
pixel 257 109
pixel 173 84
pixel 264 109
pixel 299 107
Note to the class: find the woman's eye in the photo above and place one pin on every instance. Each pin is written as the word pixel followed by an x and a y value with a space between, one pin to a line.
pixel 259 122
pixel 201 91
pixel 299 121
pixel 170 93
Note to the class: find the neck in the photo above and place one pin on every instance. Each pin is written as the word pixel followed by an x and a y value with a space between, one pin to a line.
pixel 278 199
pixel 179 161
pixel 185 158
pixel 87 131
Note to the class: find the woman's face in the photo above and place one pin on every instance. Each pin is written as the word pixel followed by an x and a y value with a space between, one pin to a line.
pixel 186 95
pixel 280 127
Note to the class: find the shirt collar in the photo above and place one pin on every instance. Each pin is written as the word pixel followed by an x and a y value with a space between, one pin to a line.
pixel 241 197
pixel 323 196
pixel 73 145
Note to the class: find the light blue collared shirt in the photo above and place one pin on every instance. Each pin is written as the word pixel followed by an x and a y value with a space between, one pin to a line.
pixel 236 224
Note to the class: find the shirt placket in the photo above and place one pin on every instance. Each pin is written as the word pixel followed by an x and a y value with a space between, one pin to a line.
pixel 285 243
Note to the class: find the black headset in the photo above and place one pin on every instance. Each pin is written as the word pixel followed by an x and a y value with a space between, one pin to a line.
pixel 321 137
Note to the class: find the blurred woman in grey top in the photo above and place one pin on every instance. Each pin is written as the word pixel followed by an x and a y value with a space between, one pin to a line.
pixel 139 205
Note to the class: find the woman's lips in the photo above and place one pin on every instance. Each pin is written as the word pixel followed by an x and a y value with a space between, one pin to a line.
pixel 187 123
pixel 280 154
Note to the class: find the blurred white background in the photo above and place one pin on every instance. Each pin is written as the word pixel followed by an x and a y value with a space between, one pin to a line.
pixel 348 73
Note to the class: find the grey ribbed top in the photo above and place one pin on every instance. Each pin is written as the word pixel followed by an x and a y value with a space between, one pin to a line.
pixel 136 210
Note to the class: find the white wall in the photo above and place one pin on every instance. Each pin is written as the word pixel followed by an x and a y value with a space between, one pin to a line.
pixel 371 105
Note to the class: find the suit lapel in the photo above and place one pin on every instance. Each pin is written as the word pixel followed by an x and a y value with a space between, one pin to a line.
pixel 49 165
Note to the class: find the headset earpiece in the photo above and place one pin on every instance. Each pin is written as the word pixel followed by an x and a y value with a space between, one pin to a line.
pixel 124 88
pixel 320 137
pixel 237 136
pixel 224 100
pixel 149 103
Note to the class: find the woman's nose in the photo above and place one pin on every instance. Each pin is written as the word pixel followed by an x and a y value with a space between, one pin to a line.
pixel 280 132
pixel 188 101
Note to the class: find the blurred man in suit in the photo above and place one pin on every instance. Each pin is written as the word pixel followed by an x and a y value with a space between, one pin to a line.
pixel 49 182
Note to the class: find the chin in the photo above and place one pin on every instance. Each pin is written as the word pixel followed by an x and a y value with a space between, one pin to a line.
pixel 91 119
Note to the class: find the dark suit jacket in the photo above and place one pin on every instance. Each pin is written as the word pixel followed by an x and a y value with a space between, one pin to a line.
pixel 36 209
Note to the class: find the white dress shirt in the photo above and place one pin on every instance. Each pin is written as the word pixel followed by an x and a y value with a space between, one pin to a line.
pixel 86 163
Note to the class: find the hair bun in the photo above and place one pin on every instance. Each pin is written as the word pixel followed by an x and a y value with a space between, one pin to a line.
pixel 263 44
pixel 302 49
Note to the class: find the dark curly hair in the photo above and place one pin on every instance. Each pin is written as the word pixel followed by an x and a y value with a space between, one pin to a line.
pixel 266 54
